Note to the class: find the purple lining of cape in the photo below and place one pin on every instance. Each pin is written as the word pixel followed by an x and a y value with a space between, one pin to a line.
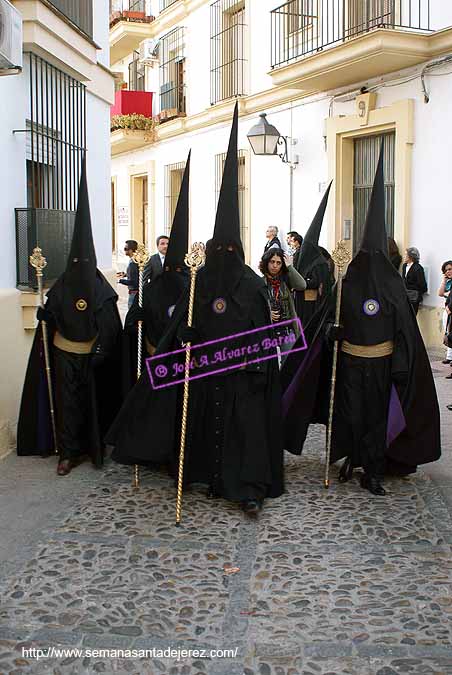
pixel 396 418
pixel 289 394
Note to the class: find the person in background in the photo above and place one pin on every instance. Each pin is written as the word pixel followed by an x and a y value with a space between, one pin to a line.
pixel 272 236
pixel 394 254
pixel 281 279
pixel 444 292
pixel 414 277
pixel 156 262
pixel 130 278
pixel 294 241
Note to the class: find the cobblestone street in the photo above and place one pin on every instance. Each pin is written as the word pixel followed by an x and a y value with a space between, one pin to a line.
pixel 327 582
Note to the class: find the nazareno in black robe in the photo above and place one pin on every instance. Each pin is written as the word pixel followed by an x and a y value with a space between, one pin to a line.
pixel 313 267
pixel 383 406
pixel 234 440
pixel 97 389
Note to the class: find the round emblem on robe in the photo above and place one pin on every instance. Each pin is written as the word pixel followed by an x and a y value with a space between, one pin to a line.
pixel 219 306
pixel 81 305
pixel 371 307
pixel 171 310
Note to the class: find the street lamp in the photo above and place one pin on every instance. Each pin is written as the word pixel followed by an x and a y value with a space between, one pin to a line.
pixel 264 139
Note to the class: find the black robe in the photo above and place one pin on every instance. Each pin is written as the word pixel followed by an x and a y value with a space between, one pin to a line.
pixel 86 391
pixel 234 423
pixel 392 400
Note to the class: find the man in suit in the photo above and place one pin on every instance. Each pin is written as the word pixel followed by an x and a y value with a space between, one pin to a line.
pixel 272 237
pixel 155 265
pixel 414 277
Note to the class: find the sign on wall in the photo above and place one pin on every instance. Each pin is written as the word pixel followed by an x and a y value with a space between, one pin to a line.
pixel 123 216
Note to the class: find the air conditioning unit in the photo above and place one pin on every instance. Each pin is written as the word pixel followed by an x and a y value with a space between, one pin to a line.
pixel 149 51
pixel 10 39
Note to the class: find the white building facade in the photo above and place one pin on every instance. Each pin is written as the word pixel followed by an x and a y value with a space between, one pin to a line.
pixel 57 107
pixel 333 76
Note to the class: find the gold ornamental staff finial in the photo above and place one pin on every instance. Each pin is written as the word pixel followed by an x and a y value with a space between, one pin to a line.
pixel 194 259
pixel 38 261
pixel 140 257
pixel 341 257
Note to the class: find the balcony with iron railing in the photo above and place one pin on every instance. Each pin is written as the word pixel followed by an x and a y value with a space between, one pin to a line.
pixel 325 44
pixel 129 25
pixel 79 12
pixel 164 4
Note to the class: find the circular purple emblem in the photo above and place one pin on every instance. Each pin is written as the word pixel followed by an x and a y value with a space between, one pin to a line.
pixel 371 307
pixel 219 306
pixel 171 310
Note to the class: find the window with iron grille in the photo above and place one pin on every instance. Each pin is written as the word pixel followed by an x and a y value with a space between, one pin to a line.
pixel 80 12
pixel 173 181
pixel 137 74
pixel 228 62
pixel 242 157
pixel 363 16
pixel 137 5
pixel 172 71
pixel 55 146
pixel 366 153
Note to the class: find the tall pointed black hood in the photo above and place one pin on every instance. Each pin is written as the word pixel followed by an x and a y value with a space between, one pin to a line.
pixel 73 295
pixel 372 287
pixel 178 241
pixel 374 236
pixel 225 259
pixel 310 254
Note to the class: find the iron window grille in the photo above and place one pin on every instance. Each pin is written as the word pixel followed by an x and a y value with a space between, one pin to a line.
pixel 366 151
pixel 172 71
pixel 137 5
pixel 173 181
pixel 242 156
pixel 228 49
pixel 137 74
pixel 300 28
pixel 55 146
pixel 79 12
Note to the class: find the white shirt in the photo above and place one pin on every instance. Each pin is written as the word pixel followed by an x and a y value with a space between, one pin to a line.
pixel 162 258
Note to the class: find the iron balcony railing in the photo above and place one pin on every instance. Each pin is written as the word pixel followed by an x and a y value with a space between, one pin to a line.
pixel 164 4
pixel 80 12
pixel 300 28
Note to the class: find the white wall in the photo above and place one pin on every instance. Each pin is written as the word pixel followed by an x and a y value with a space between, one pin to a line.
pixel 12 170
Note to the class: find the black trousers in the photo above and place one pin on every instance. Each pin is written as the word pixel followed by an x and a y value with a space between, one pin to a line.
pixel 361 411
pixel 76 417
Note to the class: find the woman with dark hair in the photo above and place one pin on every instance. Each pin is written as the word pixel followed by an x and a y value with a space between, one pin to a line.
pixel 394 254
pixel 414 277
pixel 281 279
pixel 444 292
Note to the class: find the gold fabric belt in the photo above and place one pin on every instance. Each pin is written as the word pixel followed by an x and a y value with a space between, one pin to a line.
pixel 149 347
pixel 71 346
pixel 368 351
pixel 311 294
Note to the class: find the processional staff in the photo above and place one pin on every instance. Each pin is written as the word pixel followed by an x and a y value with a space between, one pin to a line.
pixel 38 261
pixel 341 257
pixel 194 259
pixel 140 257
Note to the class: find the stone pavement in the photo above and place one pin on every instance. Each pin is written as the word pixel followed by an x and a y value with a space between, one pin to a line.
pixel 324 582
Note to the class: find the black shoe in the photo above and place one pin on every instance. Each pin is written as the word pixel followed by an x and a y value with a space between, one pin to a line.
pixel 252 506
pixel 449 407
pixel 372 483
pixel 446 362
pixel 448 377
pixel 65 467
pixel 346 471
